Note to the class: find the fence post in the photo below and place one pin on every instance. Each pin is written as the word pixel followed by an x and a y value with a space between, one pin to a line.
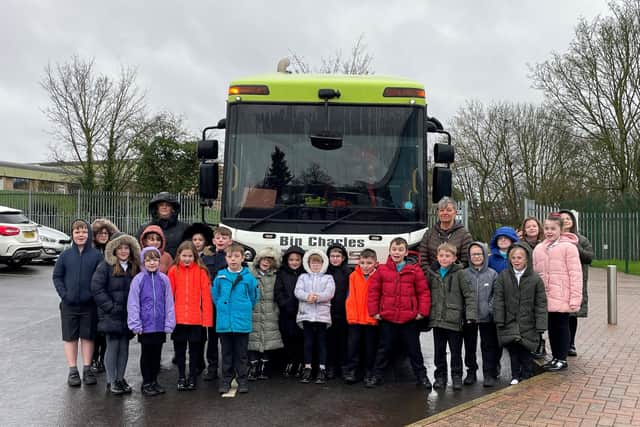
pixel 128 222
pixel 30 205
pixel 465 218
pixel 526 208
pixel 612 295
pixel 78 205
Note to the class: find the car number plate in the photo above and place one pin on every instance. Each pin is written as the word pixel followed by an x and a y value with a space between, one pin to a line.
pixel 29 234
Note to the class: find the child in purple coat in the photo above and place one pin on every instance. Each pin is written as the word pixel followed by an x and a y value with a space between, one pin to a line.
pixel 151 315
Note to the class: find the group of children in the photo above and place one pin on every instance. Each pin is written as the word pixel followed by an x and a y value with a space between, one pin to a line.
pixel 329 320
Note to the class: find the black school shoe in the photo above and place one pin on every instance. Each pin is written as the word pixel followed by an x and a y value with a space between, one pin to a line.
pixel 440 384
pixel 149 390
pixel 211 374
pixel 192 384
pixel 125 385
pixel 117 388
pixel 471 378
pixel 74 379
pixel 182 384
pixel 559 365
pixel 424 382
pixel 489 381
pixel 306 376
pixel 321 378
pixel 224 387
pixel 158 387
pixel 370 382
pixel 88 377
pixel 572 351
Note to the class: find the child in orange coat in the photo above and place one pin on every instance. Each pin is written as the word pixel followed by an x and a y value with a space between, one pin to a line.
pixel 191 288
pixel 362 328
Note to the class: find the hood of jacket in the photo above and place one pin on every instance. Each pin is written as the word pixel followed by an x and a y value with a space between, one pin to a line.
pixel 574 227
pixel 569 237
pixel 305 261
pixel 143 252
pixel 343 251
pixel 101 223
pixel 118 239
pixel 199 228
pixel 508 232
pixel 154 229
pixel 164 197
pixel 527 250
pixel 89 242
pixel 268 252
pixel 485 262
pixel 285 258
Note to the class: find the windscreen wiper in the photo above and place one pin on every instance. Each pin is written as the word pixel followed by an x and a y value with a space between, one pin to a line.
pixel 271 215
pixel 342 218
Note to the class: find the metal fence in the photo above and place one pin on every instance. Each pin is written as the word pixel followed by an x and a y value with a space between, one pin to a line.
pixel 614 235
pixel 126 210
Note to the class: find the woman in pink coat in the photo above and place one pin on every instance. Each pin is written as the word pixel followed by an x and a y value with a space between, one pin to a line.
pixel 557 261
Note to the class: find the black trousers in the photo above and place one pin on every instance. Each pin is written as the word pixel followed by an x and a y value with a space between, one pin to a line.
pixel 559 334
pixel 150 355
pixel 408 335
pixel 521 361
pixel 573 328
pixel 234 355
pixel 337 337
pixel 442 337
pixel 361 345
pixel 99 347
pixel 315 337
pixel 489 347
pixel 180 349
pixel 212 349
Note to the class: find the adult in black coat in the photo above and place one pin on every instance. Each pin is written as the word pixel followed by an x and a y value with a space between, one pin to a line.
pixel 338 332
pixel 292 335
pixel 164 210
pixel 110 287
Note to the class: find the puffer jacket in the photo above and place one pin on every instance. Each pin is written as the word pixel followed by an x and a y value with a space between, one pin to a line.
pixel 111 291
pixel 265 332
pixel 356 304
pixel 166 260
pixel 96 226
pixel 320 284
pixel 558 264
pixel 286 280
pixel 398 296
pixel 481 282
pixel 235 294
pixel 191 289
pixel 520 310
pixel 453 301
pixel 150 303
pixel 173 228
pixel 340 276
pixel 457 235
pixel 496 260
pixel 74 270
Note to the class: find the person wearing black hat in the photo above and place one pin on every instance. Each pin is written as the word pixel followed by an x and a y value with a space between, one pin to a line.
pixel 164 210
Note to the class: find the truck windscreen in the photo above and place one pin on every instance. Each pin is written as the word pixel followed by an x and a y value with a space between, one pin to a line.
pixel 276 180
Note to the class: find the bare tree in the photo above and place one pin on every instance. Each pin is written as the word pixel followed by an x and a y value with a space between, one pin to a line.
pixel 358 62
pixel 95 119
pixel 510 151
pixel 596 85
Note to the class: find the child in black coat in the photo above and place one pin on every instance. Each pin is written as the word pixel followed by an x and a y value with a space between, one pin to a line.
pixel 337 334
pixel 285 286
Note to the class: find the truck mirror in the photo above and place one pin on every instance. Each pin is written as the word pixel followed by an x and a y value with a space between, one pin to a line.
pixel 443 153
pixel 326 140
pixel 208 181
pixel 442 184
pixel 208 149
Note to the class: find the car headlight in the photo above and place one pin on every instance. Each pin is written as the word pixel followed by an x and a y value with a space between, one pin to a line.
pixel 47 239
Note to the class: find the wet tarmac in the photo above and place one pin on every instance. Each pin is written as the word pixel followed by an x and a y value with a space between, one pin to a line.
pixel 33 387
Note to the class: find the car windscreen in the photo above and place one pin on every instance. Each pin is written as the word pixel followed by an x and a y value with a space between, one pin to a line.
pixel 13 218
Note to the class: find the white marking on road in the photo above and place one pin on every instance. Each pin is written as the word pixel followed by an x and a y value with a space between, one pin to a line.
pixel 233 390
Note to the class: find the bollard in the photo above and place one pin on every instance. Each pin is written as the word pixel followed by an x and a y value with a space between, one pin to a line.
pixel 612 295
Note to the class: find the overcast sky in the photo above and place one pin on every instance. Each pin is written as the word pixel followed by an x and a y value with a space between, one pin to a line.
pixel 187 52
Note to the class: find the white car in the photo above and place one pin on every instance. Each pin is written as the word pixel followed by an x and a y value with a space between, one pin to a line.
pixel 53 243
pixel 19 241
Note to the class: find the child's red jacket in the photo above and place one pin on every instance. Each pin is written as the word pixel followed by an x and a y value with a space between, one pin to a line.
pixel 398 296
pixel 191 288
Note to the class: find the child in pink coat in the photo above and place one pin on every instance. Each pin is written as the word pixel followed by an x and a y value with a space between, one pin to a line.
pixel 557 261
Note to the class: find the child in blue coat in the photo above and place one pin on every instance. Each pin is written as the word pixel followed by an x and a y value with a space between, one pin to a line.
pixel 235 293
pixel 500 243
